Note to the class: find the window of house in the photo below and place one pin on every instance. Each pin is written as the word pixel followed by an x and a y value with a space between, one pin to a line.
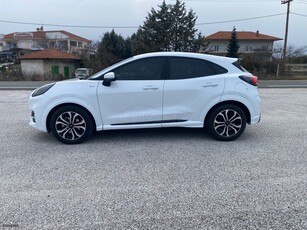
pixel 265 48
pixel 80 44
pixel 73 43
pixel 216 48
pixel 249 48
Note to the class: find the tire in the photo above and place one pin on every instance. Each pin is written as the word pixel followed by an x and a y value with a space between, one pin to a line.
pixel 71 124
pixel 227 122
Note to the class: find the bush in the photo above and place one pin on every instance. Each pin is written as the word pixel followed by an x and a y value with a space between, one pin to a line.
pixel 262 69
pixel 10 73
pixel 13 73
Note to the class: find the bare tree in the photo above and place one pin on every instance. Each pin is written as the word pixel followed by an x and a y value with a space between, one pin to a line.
pixel 294 52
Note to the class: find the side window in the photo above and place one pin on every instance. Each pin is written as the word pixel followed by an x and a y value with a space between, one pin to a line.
pixel 144 69
pixel 184 68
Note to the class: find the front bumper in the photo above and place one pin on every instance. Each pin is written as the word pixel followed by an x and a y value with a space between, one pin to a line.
pixel 37 117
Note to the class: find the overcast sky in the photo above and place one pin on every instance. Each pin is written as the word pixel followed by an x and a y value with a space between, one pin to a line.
pixel 132 13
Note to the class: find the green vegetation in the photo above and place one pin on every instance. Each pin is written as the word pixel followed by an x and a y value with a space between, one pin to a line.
pixel 233 46
pixel 169 28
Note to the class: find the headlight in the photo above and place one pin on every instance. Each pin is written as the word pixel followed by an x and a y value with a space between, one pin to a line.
pixel 42 90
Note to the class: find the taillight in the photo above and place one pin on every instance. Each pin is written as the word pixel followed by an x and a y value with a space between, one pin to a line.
pixel 253 80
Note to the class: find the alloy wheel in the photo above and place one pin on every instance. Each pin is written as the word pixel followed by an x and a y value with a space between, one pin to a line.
pixel 70 125
pixel 227 123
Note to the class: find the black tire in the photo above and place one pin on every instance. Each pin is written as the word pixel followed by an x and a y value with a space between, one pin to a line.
pixel 227 122
pixel 71 124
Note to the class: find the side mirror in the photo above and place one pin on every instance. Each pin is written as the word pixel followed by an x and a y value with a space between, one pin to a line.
pixel 108 78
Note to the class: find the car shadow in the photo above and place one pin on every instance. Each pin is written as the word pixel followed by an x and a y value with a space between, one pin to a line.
pixel 152 133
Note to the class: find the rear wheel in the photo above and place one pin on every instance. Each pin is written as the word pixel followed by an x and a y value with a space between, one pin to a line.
pixel 71 124
pixel 227 122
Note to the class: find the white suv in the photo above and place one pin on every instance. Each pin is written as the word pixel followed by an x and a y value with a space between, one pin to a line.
pixel 165 89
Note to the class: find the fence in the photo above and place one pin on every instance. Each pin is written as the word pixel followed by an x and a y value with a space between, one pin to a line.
pixel 296 69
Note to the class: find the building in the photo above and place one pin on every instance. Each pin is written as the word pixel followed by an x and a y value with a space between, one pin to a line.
pixel 7 56
pixel 250 43
pixel 49 64
pixel 41 40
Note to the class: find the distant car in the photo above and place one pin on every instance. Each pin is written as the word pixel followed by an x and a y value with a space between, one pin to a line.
pixel 165 89
pixel 83 73
pixel 6 64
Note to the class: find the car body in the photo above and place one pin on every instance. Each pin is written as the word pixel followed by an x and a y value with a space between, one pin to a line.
pixel 163 89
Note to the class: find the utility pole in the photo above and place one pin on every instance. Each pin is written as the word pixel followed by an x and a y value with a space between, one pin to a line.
pixel 287 26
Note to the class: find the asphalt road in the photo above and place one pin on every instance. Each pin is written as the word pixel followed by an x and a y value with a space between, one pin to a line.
pixel 158 178
pixel 30 85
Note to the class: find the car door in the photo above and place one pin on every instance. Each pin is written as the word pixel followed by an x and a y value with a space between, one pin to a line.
pixel 191 85
pixel 134 99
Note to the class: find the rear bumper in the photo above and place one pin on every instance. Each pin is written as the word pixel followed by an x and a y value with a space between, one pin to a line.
pixel 255 119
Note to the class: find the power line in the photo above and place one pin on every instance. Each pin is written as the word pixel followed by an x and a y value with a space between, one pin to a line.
pixel 74 26
pixel 231 1
pixel 303 15
pixel 237 20
pixel 300 2
pixel 131 27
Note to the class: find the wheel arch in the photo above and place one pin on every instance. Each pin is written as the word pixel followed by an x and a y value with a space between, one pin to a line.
pixel 52 111
pixel 229 102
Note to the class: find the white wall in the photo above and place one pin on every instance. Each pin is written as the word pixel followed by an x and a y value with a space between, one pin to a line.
pixel 44 67
pixel 222 46
pixel 61 64
pixel 32 67
pixel 56 35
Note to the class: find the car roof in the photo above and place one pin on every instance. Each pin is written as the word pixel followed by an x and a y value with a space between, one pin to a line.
pixel 186 54
pixel 208 57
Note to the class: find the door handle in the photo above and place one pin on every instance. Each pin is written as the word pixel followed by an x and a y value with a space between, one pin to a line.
pixel 210 84
pixel 150 87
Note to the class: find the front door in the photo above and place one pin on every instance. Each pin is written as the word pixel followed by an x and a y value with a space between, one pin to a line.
pixel 134 99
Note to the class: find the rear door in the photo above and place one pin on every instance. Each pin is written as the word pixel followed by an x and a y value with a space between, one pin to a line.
pixel 191 85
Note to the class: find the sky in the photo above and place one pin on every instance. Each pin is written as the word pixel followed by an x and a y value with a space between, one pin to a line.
pixel 126 15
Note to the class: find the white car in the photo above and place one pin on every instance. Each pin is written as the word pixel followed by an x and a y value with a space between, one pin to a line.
pixel 164 89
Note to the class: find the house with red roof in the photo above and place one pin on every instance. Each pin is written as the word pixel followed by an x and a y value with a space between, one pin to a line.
pixel 250 43
pixel 49 64
pixel 40 40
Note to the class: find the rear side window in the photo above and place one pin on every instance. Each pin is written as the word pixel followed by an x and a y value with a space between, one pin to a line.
pixel 237 64
pixel 184 68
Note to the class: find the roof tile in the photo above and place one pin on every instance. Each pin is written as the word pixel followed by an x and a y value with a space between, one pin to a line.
pixel 244 35
pixel 50 54
pixel 42 35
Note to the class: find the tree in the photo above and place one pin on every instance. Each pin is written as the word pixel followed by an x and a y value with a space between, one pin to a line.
pixel 182 29
pixel 89 57
pixel 112 48
pixel 200 44
pixel 294 52
pixel 233 46
pixel 170 28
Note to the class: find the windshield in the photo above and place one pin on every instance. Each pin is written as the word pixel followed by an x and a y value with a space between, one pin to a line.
pixel 80 71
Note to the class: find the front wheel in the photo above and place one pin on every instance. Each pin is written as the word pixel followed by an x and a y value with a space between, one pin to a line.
pixel 227 122
pixel 71 124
